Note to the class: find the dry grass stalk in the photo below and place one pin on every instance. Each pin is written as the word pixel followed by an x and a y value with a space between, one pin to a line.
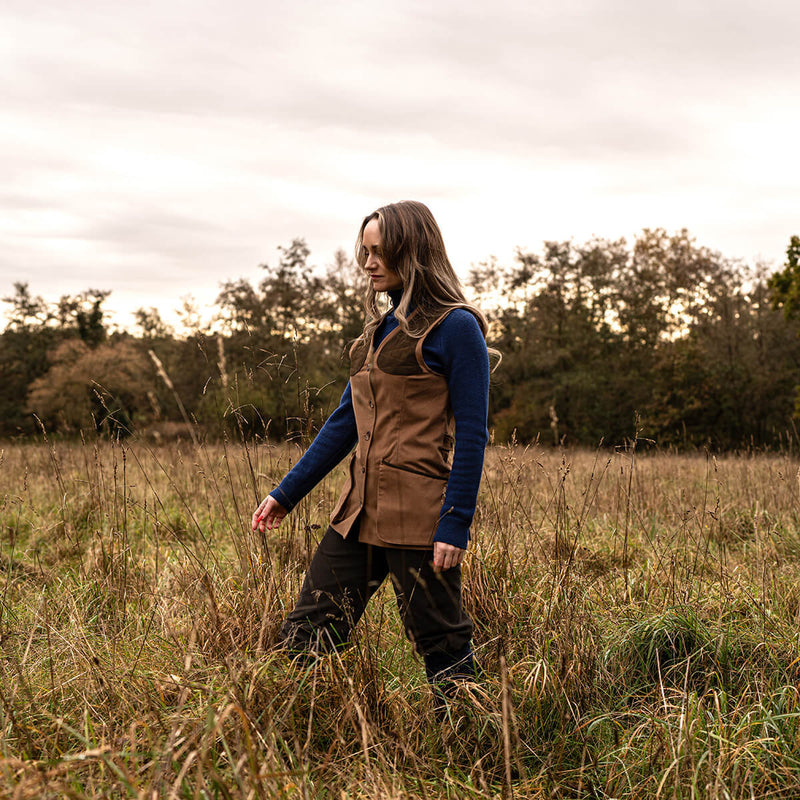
pixel 636 619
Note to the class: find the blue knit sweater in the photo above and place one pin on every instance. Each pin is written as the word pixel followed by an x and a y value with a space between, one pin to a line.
pixel 455 349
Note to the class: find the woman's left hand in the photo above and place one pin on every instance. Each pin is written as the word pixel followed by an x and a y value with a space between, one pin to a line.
pixel 446 556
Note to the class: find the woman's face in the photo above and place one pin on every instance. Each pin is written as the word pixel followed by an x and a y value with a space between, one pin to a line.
pixel 383 279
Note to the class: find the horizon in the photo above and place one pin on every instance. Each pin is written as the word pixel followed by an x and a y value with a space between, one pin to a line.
pixel 123 319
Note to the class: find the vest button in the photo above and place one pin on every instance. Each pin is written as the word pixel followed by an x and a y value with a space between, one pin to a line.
pixel 371 404
pixel 366 435
pixel 363 469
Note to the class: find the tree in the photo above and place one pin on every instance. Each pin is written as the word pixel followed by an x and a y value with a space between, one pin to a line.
pixel 84 314
pixel 340 311
pixel 24 345
pixel 556 331
pixel 243 309
pixel 286 341
pixel 106 388
pixel 151 325
pixel 785 285
pixel 291 291
pixel 597 333
pixel 26 311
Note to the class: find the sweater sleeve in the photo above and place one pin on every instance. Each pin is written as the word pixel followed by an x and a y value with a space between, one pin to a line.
pixel 457 349
pixel 335 440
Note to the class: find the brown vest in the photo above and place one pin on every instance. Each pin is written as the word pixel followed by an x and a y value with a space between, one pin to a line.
pixel 399 469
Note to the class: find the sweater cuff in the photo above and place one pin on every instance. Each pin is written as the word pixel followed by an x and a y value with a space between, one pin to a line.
pixel 283 498
pixel 452 531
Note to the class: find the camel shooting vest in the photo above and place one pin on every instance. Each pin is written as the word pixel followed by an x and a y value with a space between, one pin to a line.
pixel 401 463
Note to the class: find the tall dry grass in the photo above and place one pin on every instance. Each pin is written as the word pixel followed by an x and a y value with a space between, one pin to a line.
pixel 636 616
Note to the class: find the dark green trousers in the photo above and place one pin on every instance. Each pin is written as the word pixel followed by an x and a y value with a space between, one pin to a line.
pixel 344 574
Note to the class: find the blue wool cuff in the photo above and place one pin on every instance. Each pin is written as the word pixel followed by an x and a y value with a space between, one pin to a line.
pixel 283 498
pixel 451 530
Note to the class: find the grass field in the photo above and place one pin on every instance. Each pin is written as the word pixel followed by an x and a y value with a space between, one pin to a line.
pixel 636 615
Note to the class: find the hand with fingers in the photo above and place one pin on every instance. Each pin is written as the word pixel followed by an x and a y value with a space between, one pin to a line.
pixel 268 515
pixel 446 556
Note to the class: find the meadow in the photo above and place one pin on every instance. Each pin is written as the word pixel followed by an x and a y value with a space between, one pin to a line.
pixel 636 617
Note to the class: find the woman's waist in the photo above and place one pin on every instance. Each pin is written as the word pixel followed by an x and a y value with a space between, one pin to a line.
pixel 432 462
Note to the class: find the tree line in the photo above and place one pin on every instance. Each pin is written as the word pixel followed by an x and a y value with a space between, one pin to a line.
pixel 601 341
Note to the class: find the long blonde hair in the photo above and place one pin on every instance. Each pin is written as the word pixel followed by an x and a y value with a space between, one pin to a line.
pixel 413 247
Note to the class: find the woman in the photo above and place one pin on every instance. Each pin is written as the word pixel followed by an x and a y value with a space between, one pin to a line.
pixel 419 383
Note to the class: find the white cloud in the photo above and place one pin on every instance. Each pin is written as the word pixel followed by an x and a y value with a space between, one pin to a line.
pixel 156 149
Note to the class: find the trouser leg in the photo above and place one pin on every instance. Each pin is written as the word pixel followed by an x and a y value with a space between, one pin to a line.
pixel 432 614
pixel 342 576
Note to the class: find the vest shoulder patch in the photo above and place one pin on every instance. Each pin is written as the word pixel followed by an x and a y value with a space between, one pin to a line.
pixel 358 355
pixel 398 356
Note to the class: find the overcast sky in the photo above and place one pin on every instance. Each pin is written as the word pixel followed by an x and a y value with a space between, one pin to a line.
pixel 158 148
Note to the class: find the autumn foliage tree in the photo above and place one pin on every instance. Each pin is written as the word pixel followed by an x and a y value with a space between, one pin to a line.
pixel 106 388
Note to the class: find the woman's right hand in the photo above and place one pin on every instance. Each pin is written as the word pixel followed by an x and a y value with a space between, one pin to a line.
pixel 269 514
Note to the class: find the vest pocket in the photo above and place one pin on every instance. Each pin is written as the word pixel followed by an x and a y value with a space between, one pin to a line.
pixel 409 504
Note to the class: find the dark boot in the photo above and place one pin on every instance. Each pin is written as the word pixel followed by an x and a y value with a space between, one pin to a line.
pixel 445 675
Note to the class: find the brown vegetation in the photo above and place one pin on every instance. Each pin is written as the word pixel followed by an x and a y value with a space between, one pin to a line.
pixel 636 618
